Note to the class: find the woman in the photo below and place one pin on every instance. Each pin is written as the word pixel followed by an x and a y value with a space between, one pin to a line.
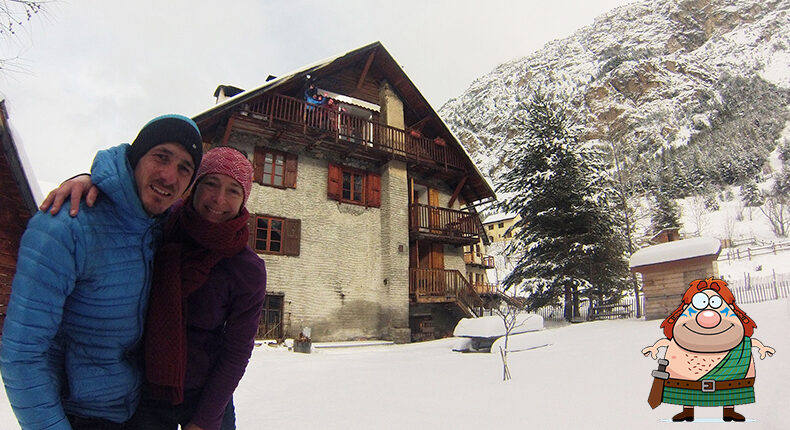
pixel 206 299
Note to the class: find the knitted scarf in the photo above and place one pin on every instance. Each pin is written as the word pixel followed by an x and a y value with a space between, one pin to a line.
pixel 192 247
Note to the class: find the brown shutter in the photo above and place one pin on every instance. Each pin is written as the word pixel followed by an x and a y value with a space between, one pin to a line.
pixel 373 190
pixel 258 158
pixel 334 186
pixel 292 236
pixel 290 170
pixel 251 224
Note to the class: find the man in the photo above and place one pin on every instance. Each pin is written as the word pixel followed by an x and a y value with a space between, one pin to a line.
pixel 709 352
pixel 70 353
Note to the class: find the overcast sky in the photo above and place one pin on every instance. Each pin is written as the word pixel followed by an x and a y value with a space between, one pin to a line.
pixel 94 71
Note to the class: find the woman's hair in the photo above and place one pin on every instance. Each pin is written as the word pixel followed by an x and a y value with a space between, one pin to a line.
pixel 718 285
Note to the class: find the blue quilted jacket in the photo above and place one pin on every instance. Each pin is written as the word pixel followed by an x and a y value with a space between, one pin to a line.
pixel 75 319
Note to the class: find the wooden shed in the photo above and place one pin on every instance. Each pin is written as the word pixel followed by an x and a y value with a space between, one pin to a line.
pixel 668 268
pixel 17 206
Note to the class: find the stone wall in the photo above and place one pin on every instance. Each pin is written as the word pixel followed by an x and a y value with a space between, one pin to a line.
pixel 350 280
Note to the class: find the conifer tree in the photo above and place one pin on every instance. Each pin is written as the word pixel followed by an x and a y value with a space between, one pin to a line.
pixel 666 212
pixel 569 242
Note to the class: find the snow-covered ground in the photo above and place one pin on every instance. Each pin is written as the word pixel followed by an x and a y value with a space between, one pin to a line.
pixel 593 376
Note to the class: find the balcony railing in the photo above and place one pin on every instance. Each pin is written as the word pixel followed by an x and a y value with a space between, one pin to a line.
pixel 485 288
pixel 439 285
pixel 479 259
pixel 353 129
pixel 443 222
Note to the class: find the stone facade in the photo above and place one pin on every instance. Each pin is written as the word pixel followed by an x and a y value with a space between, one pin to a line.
pixel 350 280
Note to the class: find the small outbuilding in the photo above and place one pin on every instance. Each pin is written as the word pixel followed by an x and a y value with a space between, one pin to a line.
pixel 668 268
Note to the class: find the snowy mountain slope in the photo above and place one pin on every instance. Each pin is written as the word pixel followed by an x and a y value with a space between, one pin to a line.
pixel 650 75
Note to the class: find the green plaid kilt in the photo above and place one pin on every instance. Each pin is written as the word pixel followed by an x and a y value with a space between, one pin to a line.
pixel 734 366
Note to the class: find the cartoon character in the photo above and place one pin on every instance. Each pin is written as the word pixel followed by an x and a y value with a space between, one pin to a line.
pixel 708 360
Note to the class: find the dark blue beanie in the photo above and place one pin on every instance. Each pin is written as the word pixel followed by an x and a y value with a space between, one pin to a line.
pixel 164 129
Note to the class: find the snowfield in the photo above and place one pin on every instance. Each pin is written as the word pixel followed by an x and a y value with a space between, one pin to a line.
pixel 593 376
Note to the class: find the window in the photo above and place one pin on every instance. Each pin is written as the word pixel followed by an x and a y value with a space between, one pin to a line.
pixel 501 225
pixel 273 168
pixel 354 186
pixel 274 235
pixel 490 226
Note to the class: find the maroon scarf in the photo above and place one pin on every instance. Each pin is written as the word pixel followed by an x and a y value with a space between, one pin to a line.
pixel 192 247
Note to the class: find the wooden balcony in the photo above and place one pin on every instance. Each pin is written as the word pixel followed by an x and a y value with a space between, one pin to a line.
pixel 442 286
pixel 443 225
pixel 329 125
pixel 478 259
pixel 485 289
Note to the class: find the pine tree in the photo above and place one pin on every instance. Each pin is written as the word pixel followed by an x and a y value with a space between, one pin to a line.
pixel 568 243
pixel 666 212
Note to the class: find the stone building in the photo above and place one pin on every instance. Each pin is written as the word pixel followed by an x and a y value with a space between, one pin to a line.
pixel 668 268
pixel 17 206
pixel 362 203
pixel 496 227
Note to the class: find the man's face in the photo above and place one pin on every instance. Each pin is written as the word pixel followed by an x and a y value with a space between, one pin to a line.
pixel 708 324
pixel 162 175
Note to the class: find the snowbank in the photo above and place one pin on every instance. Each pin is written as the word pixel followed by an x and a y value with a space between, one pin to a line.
pixel 493 326
pixel 524 341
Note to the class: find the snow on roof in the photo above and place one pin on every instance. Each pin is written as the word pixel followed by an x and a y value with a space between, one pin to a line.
pixel 677 250
pixel 499 217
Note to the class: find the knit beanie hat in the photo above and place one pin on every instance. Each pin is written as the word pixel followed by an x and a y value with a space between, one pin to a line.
pixel 229 161
pixel 167 128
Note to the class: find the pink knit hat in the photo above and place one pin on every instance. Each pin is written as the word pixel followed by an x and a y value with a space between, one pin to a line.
pixel 225 160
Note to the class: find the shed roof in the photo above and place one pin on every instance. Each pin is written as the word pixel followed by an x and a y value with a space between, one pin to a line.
pixel 677 250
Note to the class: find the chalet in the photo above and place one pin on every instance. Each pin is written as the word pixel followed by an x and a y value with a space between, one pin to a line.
pixel 496 226
pixel 17 206
pixel 362 204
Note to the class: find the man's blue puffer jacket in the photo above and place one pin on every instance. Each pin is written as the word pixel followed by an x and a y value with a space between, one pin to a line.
pixel 75 319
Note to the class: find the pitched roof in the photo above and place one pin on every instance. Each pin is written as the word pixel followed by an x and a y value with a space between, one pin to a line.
pixel 17 163
pixel 416 107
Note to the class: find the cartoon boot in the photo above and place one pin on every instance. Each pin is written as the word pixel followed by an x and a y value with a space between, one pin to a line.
pixel 729 414
pixel 686 415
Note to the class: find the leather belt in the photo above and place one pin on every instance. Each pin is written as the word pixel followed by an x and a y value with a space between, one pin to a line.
pixel 709 385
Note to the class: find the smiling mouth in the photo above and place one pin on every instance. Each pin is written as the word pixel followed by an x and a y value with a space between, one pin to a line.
pixel 708 334
pixel 160 191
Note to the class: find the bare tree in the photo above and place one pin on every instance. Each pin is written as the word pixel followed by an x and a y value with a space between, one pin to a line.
pixel 510 307
pixel 15 15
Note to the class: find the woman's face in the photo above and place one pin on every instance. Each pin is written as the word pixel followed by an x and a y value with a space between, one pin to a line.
pixel 218 198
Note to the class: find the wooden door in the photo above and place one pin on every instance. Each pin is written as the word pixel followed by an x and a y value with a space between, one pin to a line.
pixel 433 202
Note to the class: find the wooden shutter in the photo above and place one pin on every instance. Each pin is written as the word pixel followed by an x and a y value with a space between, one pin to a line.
pixel 292 236
pixel 373 190
pixel 334 186
pixel 258 158
pixel 290 171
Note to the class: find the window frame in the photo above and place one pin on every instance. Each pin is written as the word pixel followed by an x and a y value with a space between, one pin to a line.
pixel 254 240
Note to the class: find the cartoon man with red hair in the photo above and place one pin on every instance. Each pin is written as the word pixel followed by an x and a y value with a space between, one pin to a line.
pixel 709 353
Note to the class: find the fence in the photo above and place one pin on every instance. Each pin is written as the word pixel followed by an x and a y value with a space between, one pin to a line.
pixel 738 253
pixel 555 312
pixel 753 289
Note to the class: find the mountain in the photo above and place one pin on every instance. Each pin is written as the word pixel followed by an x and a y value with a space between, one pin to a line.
pixel 692 92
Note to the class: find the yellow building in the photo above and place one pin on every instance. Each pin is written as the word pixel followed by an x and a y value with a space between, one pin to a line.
pixel 496 226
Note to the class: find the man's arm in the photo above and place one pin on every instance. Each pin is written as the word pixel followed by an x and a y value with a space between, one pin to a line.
pixel 46 274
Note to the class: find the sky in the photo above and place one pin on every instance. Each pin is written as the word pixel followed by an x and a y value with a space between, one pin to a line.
pixel 90 73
